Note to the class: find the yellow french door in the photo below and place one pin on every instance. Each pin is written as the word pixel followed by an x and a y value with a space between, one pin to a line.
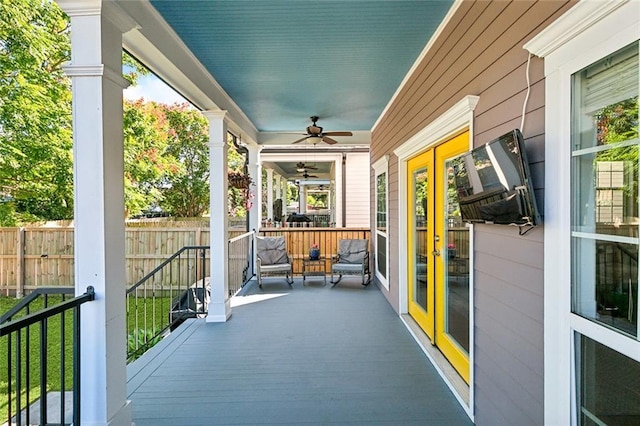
pixel 438 248
pixel 420 208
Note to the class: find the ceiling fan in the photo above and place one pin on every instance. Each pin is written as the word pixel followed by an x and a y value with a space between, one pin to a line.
pixel 302 167
pixel 306 175
pixel 315 134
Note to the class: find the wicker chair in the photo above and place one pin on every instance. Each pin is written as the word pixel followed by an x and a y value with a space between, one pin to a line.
pixel 352 259
pixel 273 259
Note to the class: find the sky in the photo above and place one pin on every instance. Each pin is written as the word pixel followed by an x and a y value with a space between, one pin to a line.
pixel 152 88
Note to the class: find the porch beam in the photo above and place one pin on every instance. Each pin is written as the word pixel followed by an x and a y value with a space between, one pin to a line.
pixel 219 306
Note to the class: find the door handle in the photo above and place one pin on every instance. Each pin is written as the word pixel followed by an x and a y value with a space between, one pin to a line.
pixel 436 252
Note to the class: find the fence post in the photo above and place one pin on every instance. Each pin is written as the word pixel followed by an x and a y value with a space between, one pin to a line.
pixel 20 263
pixel 198 241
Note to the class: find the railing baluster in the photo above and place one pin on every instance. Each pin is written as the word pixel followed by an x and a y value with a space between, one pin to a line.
pixel 202 274
pixel 18 378
pixel 27 377
pixel 43 371
pixel 62 367
pixel 76 365
pixel 9 392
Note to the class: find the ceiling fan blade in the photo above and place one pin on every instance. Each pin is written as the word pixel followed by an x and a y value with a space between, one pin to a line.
pixel 300 140
pixel 338 134
pixel 329 140
pixel 304 166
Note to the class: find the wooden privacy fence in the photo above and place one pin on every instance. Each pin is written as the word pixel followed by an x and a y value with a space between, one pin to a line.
pixel 44 257
pixel 299 241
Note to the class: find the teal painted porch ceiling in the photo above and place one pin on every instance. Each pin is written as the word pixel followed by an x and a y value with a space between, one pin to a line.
pixel 283 61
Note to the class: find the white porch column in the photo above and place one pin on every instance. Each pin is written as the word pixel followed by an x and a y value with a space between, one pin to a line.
pixel 270 194
pixel 283 184
pixel 97 83
pixel 254 172
pixel 278 187
pixel 219 306
pixel 302 199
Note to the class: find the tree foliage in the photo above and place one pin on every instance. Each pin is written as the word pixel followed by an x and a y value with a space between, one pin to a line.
pixel 186 193
pixel 147 164
pixel 165 146
pixel 35 112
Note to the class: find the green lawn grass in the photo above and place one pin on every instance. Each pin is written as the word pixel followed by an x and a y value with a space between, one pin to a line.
pixel 153 315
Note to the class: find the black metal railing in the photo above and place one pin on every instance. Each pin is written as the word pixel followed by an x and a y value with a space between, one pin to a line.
pixel 42 350
pixel 178 289
pixel 175 290
pixel 240 252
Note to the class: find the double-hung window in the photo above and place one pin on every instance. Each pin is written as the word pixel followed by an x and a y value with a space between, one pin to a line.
pixel 604 236
pixel 592 214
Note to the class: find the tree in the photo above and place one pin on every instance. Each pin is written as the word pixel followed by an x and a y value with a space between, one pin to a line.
pixel 36 172
pixel 166 152
pixel 148 166
pixel 186 192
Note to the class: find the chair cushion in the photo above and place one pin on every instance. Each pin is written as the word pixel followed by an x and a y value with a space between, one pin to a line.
pixel 272 250
pixel 284 267
pixel 352 251
pixel 347 267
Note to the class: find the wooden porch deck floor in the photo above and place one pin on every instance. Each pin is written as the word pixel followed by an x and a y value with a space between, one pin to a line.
pixel 305 355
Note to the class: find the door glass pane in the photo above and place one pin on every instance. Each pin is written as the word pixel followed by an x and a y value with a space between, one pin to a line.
pixel 457 262
pixel 420 237
pixel 607 385
pixel 604 185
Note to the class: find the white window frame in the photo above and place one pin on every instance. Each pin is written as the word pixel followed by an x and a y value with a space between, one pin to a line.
pixel 585 34
pixel 381 166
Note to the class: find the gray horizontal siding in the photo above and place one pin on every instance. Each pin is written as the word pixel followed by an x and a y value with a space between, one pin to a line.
pixel 480 53
pixel 509 315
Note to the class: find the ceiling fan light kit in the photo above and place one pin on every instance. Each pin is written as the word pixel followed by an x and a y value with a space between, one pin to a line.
pixel 315 135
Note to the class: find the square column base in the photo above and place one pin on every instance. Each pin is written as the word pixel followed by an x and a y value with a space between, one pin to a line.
pixel 219 312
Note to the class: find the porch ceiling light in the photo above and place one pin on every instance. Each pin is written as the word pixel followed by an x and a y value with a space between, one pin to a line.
pixel 314 139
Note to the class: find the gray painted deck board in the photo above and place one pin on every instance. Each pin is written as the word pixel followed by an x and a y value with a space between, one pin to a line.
pixel 304 355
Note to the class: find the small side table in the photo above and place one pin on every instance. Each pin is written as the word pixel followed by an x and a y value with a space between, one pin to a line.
pixel 313 268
